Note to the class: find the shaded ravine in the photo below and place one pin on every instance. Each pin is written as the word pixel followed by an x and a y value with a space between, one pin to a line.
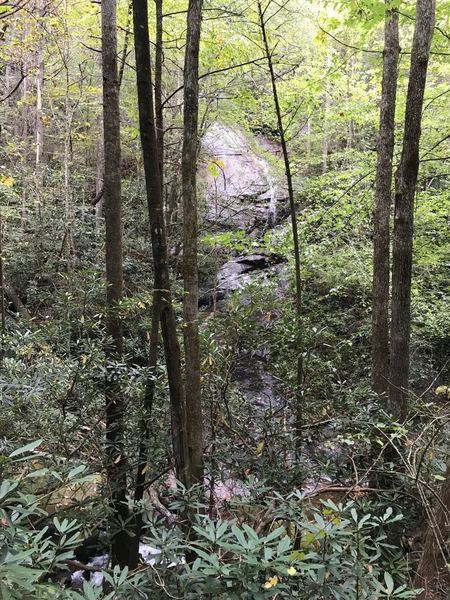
pixel 243 192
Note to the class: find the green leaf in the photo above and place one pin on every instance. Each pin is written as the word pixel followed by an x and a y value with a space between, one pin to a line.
pixel 389 582
pixel 24 449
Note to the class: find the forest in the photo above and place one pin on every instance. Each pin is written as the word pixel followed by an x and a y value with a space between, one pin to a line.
pixel 224 299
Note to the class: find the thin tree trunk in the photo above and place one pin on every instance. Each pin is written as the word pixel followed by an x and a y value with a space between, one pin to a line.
pixel 145 428
pixel 326 110
pixel 162 286
pixel 434 554
pixel 383 195
pixel 159 115
pixel 39 127
pixel 298 278
pixel 99 176
pixel 190 234
pixel 2 288
pixel 68 118
pixel 351 123
pixel 100 166
pixel 126 43
pixel 116 462
pixel 21 128
pixel 39 123
pixel 406 179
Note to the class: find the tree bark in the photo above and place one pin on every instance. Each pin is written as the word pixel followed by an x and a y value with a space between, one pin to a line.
pixel 436 541
pixel 116 462
pixel 382 211
pixel 2 288
pixel 159 115
pixel 145 428
pixel 326 110
pixel 39 123
pixel 100 166
pixel 39 113
pixel 405 188
pixel 99 176
pixel 162 285
pixel 190 234
pixel 68 156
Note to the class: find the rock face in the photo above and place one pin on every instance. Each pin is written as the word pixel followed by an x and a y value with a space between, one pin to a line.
pixel 255 382
pixel 242 188
pixel 236 273
pixel 243 191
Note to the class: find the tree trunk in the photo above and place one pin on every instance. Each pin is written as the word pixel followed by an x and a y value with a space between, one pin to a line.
pixel 436 541
pixel 116 463
pixel 39 127
pixel 99 176
pixel 190 234
pixel 159 115
pixel 39 123
pixel 351 123
pixel 406 179
pixel 326 110
pixel 295 236
pixel 2 288
pixel 380 285
pixel 100 164
pixel 162 286
pixel 68 118
pixel 145 429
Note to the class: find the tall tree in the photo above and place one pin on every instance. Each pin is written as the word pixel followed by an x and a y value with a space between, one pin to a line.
pixel 383 195
pixel 297 266
pixel 116 463
pixel 159 115
pixel 100 166
pixel 39 127
pixel 326 116
pixel 190 233
pixel 405 188
pixel 162 285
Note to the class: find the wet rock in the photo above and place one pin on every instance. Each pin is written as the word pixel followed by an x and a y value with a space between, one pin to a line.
pixel 237 272
pixel 256 384
pixel 242 189
pixel 95 578
pixel 149 555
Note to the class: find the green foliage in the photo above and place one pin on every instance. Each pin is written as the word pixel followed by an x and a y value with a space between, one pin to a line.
pixel 53 367
pixel 30 555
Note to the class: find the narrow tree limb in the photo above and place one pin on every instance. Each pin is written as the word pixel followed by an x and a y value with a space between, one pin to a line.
pixel 97 197
pixel 15 88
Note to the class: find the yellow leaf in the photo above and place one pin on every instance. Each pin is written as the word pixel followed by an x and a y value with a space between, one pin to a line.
pixel 443 390
pixel 292 571
pixel 7 180
pixel 270 583
pixel 259 448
